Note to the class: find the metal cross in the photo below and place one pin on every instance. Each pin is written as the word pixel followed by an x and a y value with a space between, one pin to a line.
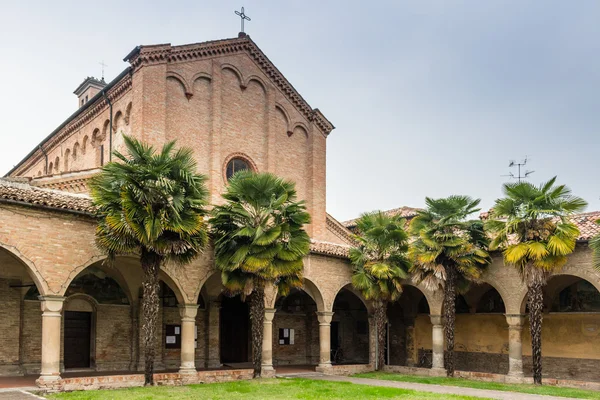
pixel 243 17
pixel 103 65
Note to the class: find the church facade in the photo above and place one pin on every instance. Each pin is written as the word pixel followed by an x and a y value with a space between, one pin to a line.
pixel 65 309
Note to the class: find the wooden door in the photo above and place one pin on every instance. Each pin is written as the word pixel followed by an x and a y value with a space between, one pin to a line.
pixel 78 330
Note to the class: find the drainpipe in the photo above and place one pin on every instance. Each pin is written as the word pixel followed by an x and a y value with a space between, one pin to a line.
pixel 111 125
pixel 46 156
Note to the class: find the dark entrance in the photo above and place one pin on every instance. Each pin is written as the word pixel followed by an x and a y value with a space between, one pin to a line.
pixel 78 329
pixel 235 326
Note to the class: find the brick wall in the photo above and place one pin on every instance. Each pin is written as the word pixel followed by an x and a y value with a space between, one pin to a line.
pixel 10 305
pixel 306 334
pixel 32 337
pixel 113 337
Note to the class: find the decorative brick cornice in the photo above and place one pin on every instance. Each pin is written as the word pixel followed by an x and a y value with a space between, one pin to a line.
pixel 339 230
pixel 74 123
pixel 165 53
pixel 329 249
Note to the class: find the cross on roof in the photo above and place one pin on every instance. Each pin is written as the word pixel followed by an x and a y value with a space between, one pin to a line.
pixel 242 17
pixel 103 65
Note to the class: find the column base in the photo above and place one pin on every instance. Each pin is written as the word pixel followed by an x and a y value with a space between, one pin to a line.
pixel 267 371
pixel 324 368
pixel 437 371
pixel 50 382
pixel 187 370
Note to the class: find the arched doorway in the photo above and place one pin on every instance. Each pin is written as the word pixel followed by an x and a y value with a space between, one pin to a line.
pixel 97 324
pixel 349 329
pixel 295 331
pixel 21 326
pixel 410 330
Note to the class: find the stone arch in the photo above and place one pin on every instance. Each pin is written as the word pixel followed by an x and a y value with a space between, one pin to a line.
pixel 489 294
pixel 76 147
pixel 173 77
pixel 301 127
pixel 84 143
pixel 32 271
pixel 117 120
pixel 286 117
pixel 310 288
pixel 128 113
pixel 434 298
pixel 258 80
pixel 67 159
pixel 93 303
pixel 236 72
pixel 100 262
pixel 96 138
pixel 105 128
pixel 355 292
pixel 200 75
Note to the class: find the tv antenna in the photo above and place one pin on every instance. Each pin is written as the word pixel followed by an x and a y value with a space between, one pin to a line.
pixel 519 177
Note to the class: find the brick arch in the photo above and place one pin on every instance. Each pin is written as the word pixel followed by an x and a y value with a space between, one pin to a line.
pixel 435 299
pixel 258 80
pixel 589 275
pixel 286 117
pixel 172 77
pixel 498 288
pixel 38 279
pixel 114 273
pixel 309 287
pixel 300 126
pixel 235 71
pixel 351 289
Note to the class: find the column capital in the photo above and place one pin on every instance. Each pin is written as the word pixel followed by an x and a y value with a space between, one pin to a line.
pixel 269 315
pixel 436 319
pixel 51 305
pixel 515 320
pixel 325 317
pixel 188 311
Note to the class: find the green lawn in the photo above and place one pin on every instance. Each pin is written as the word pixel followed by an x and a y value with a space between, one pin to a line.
pixel 259 390
pixel 547 390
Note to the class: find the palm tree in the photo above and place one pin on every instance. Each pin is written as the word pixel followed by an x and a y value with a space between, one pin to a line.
pixel 532 227
pixel 152 204
pixel 380 263
pixel 259 238
pixel 449 251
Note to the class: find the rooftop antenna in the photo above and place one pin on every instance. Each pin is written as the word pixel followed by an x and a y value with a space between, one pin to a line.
pixel 103 65
pixel 519 177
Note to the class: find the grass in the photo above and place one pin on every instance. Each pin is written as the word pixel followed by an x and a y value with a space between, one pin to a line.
pixel 258 390
pixel 506 387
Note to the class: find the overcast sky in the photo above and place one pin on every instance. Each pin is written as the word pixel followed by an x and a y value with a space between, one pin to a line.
pixel 429 98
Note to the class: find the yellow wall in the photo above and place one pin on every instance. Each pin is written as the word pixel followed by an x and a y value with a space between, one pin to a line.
pixel 566 335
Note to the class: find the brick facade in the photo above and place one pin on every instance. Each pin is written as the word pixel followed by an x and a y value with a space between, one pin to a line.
pixel 224 99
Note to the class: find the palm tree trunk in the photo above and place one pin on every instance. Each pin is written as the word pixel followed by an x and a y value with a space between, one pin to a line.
pixel 257 317
pixel 150 308
pixel 380 309
pixel 450 318
pixel 535 296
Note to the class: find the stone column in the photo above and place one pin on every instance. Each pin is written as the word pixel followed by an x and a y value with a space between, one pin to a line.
pixel 188 329
pixel 324 318
pixel 515 347
pixel 214 335
pixel 51 328
pixel 437 342
pixel 267 346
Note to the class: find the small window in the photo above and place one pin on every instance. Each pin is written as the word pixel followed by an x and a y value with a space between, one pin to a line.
pixel 236 165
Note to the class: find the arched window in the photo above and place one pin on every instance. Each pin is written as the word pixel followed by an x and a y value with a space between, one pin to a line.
pixel 235 165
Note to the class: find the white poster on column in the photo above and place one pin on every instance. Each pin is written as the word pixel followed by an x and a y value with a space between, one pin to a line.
pixel 291 336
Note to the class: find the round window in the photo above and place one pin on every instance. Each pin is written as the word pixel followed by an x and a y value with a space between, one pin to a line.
pixel 236 165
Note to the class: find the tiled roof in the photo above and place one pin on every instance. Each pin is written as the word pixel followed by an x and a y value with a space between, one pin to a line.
pixel 586 222
pixel 406 212
pixel 11 191
pixel 329 249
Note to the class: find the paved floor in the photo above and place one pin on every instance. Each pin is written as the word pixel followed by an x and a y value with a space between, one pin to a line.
pixel 487 394
pixel 18 395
